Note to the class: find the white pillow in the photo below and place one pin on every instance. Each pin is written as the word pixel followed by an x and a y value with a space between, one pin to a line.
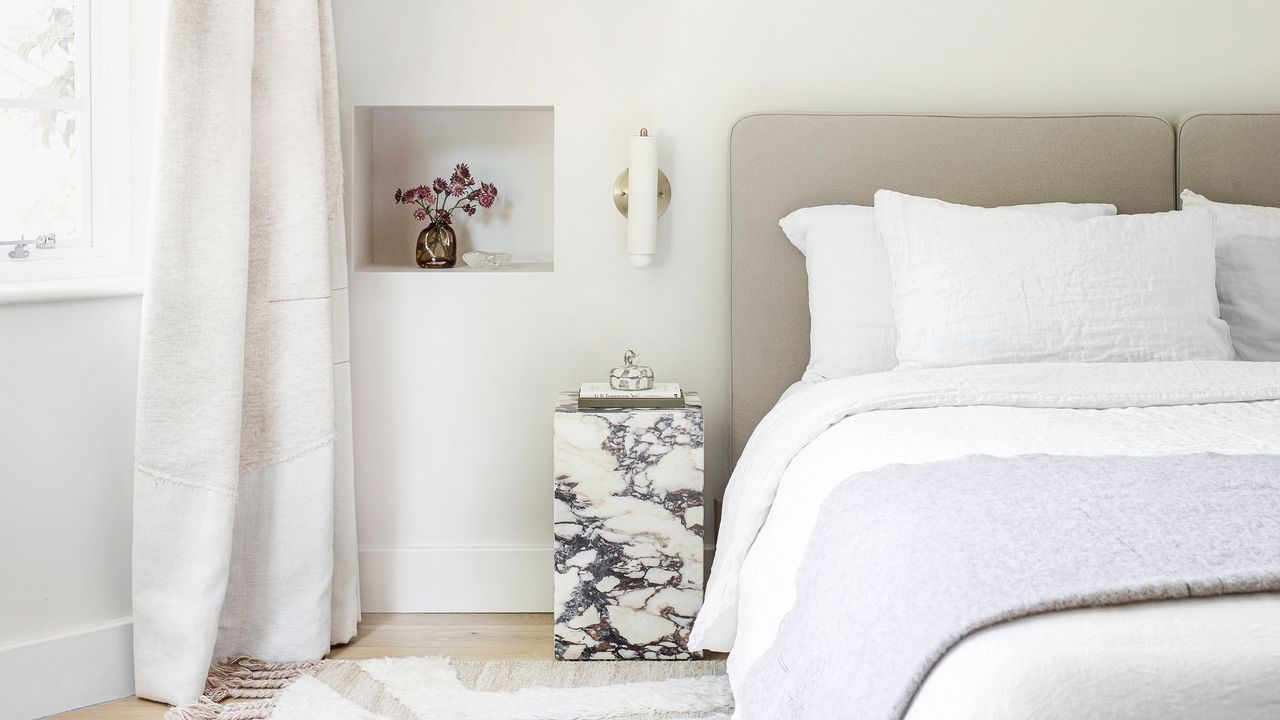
pixel 851 328
pixel 973 286
pixel 1248 238
pixel 850 295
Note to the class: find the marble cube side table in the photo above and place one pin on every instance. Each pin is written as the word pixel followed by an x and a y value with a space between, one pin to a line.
pixel 628 530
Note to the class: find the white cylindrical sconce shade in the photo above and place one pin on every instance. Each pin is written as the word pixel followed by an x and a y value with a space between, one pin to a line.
pixel 642 200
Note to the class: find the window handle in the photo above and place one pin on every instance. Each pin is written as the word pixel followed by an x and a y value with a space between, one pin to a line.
pixel 20 251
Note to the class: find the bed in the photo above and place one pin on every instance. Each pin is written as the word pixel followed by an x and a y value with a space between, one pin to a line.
pixel 1209 647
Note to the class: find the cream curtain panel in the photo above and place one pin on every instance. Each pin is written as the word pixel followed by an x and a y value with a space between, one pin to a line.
pixel 244 522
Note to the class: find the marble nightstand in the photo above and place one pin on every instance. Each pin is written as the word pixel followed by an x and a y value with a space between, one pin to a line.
pixel 628 531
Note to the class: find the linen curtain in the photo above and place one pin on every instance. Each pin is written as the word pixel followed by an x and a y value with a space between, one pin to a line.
pixel 244 521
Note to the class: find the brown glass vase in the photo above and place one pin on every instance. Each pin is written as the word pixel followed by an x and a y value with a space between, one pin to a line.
pixel 437 247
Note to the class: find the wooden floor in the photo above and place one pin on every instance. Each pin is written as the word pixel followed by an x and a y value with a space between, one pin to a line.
pixel 462 636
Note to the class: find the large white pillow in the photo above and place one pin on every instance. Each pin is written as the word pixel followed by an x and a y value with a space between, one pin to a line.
pixel 851 329
pixel 1248 239
pixel 973 286
pixel 850 294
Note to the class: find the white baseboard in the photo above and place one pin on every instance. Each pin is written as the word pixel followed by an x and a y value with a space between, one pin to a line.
pixel 57 673
pixel 444 578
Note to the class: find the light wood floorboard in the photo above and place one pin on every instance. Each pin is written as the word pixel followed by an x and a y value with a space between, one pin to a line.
pixel 516 636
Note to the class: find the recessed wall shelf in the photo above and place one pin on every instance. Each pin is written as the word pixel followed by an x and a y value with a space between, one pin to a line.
pixel 403 146
pixel 514 267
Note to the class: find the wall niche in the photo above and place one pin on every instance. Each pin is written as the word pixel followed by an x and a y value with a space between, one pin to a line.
pixel 403 146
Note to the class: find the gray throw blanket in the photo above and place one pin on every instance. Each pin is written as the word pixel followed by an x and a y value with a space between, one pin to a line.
pixel 907 560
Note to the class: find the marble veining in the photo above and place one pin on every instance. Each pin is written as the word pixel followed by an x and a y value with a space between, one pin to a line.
pixel 628 531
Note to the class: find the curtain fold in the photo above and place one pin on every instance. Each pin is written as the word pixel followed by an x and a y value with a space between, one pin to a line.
pixel 244 521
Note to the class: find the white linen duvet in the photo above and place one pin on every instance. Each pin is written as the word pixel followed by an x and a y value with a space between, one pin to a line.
pixel 1176 659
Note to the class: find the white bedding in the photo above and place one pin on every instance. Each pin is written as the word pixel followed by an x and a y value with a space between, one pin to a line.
pixel 1198 659
pixel 819 434
pixel 980 285
pixel 851 324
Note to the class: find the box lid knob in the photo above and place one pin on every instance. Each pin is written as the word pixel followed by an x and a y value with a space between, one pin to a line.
pixel 631 376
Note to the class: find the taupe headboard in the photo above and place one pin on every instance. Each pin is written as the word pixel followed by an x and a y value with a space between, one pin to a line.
pixel 783 161
pixel 1232 158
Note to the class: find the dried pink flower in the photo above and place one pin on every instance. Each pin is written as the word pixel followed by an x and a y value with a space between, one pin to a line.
pixel 437 202
pixel 415 194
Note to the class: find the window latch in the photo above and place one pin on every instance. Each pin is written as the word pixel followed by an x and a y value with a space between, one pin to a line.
pixel 20 251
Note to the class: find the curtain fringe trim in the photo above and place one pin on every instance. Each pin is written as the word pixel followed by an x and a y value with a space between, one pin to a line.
pixel 241 678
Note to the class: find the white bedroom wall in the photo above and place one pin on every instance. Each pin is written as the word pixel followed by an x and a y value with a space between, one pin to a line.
pixel 68 376
pixel 68 372
pixel 455 376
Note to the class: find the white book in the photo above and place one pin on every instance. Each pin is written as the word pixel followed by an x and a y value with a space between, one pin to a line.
pixel 659 391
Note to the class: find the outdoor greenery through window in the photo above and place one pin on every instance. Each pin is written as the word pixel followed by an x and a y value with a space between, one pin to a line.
pixel 44 102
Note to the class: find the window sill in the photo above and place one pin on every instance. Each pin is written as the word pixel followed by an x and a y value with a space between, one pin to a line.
pixel 70 289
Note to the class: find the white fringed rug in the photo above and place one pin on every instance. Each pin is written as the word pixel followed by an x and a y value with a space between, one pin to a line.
pixel 437 688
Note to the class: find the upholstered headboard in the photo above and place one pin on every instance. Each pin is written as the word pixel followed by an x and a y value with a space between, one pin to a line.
pixel 783 161
pixel 1232 158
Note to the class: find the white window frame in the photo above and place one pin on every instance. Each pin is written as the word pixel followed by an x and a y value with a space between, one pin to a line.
pixel 110 265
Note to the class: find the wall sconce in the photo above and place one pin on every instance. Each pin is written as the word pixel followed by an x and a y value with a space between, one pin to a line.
pixel 642 209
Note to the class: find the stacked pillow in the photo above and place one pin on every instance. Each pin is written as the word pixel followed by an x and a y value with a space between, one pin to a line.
pixel 974 286
pixel 915 283
pixel 1248 254
pixel 852 328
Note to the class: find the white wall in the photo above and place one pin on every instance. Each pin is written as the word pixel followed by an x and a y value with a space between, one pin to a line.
pixel 68 376
pixel 455 376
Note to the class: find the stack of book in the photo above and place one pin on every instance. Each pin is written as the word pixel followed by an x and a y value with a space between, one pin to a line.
pixel 600 395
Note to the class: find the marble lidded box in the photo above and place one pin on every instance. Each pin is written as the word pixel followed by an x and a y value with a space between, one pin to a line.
pixel 628 519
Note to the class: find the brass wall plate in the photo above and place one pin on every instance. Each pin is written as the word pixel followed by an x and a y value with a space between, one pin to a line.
pixel 620 192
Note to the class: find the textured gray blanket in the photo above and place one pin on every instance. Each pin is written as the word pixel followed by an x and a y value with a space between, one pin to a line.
pixel 907 560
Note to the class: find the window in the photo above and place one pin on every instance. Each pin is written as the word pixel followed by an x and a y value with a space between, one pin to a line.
pixel 64 140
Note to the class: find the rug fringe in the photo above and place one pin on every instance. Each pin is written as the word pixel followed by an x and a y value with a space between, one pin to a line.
pixel 249 677
pixel 241 677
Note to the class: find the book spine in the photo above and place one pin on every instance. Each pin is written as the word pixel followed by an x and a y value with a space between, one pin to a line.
pixel 620 396
pixel 606 404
